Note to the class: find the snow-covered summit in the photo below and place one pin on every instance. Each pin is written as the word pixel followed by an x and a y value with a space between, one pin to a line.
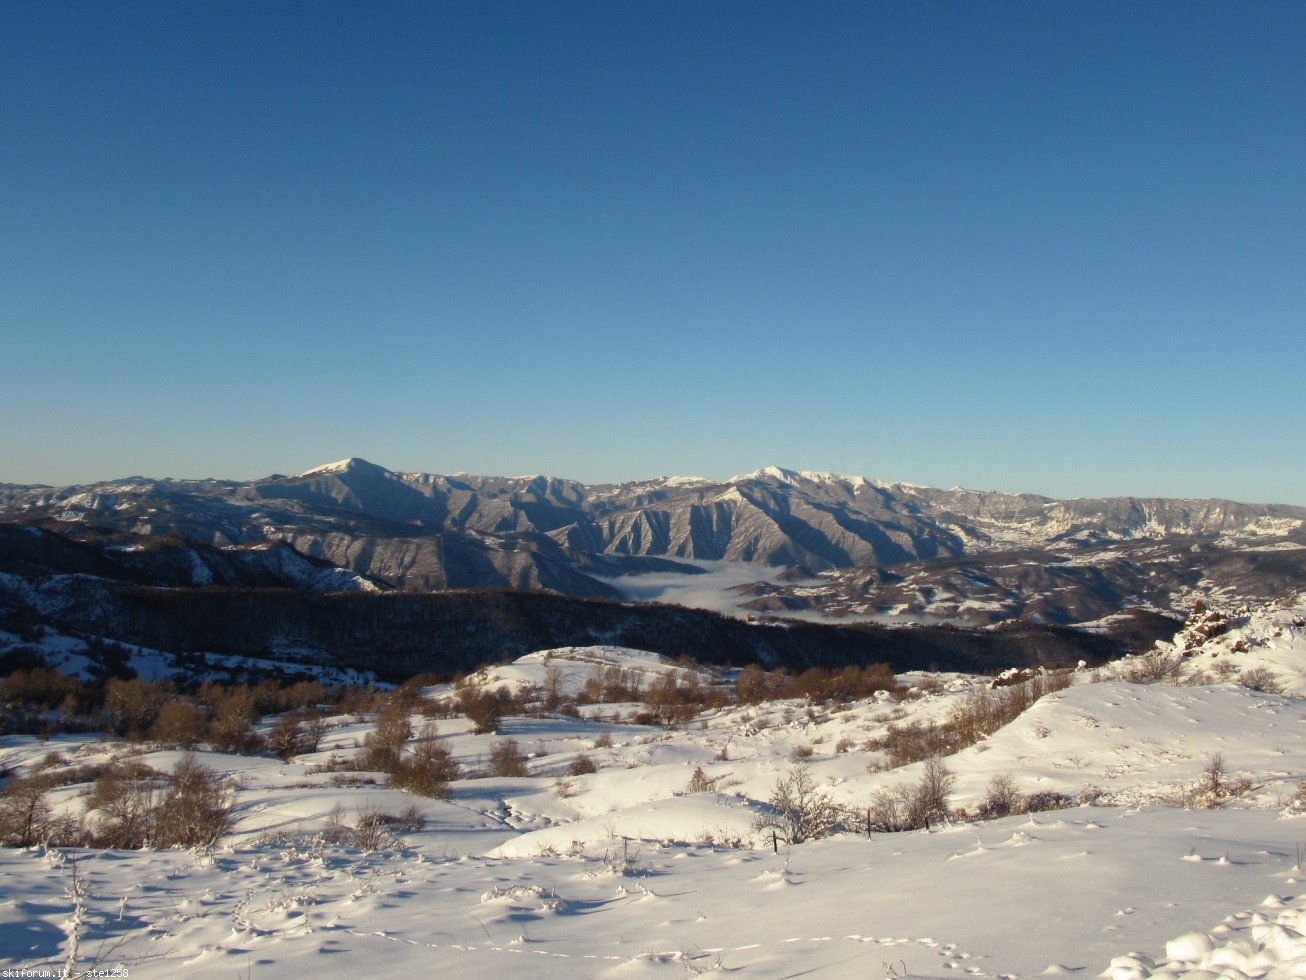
pixel 795 477
pixel 340 466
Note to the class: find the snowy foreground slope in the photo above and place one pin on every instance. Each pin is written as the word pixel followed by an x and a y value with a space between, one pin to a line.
pixel 622 872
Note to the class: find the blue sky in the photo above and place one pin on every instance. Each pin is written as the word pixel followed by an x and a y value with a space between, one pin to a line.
pixel 1058 248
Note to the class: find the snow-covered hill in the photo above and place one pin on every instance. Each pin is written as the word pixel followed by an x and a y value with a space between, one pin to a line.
pixel 624 871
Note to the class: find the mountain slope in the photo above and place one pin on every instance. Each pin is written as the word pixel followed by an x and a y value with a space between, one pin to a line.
pixel 852 546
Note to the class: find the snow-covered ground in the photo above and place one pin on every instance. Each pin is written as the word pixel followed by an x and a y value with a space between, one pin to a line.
pixel 623 872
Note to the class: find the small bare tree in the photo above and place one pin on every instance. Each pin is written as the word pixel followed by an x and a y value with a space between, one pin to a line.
pixel 553 678
pixel 26 818
pixel 195 810
pixel 180 723
pixel 428 769
pixel 285 736
pixel 124 798
pixel 383 747
pixel 800 811
pixel 1001 798
pixel 314 729
pixel 930 802
pixel 913 806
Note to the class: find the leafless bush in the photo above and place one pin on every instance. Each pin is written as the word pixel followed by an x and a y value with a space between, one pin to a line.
pixel 800 811
pixel 140 807
pixel 196 807
pixel 334 829
pixel 1216 785
pixel 285 736
pixel 1157 666
pixel 1047 800
pixel 26 818
pixel 914 806
pixel 348 780
pixel 383 747
pixel 1003 797
pixel 428 770
pixel 483 707
pixel 232 729
pixel 180 723
pixel 134 705
pixel 582 765
pixel 507 759
pixel 1224 669
pixel 124 798
pixel 700 782
pixel 376 830
pixel 1261 679
pixel 972 719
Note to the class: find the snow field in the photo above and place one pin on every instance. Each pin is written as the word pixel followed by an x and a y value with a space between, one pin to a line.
pixel 623 872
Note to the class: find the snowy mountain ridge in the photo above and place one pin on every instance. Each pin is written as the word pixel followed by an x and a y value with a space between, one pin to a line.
pixel 422 531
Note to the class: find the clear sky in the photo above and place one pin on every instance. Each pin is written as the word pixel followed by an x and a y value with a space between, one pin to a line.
pixel 1050 247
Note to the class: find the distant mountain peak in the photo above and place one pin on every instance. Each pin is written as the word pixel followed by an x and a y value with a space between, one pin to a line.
pixel 795 477
pixel 349 465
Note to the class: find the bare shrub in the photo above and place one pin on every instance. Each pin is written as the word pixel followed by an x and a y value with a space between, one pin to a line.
pixel 411 819
pixel 1157 666
pixel 314 727
pixel 1002 797
pixel 375 829
pixel 1224 669
pixel 1261 679
pixel 701 782
pixel 180 723
pixel 507 759
pixel 484 708
pixel 334 828
pixel 349 780
pixel 1298 802
pixel 1047 800
pixel 232 729
pixel 196 808
pixel 552 686
pixel 677 696
pixel 26 819
pixel 933 790
pixel 428 770
pixel 134 705
pixel 582 765
pixel 285 736
pixel 140 807
pixel 1215 785
pixel 800 811
pixel 972 719
pixel 915 805
pixel 383 747
pixel 125 798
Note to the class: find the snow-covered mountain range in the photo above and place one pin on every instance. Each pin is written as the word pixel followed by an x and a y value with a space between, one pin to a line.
pixel 823 544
